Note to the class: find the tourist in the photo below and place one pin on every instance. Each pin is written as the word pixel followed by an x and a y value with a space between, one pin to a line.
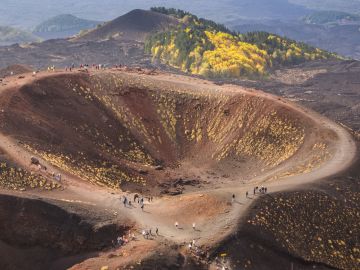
pixel 157 231
pixel 119 241
pixel 177 225
pixel 247 194
pixel 125 201
pixel 233 198
pixel 194 226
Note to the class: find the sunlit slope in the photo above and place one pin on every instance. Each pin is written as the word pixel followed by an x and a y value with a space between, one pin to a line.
pixel 199 46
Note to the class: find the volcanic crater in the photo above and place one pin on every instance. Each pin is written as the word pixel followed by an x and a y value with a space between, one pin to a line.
pixel 119 132
pixel 135 132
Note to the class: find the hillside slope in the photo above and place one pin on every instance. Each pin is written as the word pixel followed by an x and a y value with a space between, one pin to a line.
pixel 135 25
pixel 63 25
pixel 10 35
pixel 199 46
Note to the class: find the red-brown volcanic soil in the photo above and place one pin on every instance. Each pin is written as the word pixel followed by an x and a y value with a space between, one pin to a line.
pixel 115 133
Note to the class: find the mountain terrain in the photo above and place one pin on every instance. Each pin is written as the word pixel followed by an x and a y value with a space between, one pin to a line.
pixel 352 6
pixel 342 39
pixel 273 113
pixel 135 25
pixel 10 35
pixel 331 17
pixel 64 25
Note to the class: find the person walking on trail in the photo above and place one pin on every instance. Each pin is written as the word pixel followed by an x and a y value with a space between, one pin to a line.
pixel 157 231
pixel 254 191
pixel 247 194
pixel 194 226
pixel 142 207
pixel 265 190
pixel 233 198
pixel 177 225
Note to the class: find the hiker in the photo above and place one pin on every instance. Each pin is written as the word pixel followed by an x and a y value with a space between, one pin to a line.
pixel 57 177
pixel 119 241
pixel 157 231
pixel 254 191
pixel 177 225
pixel 233 198
pixel 194 226
pixel 142 207
pixel 247 194
pixel 125 201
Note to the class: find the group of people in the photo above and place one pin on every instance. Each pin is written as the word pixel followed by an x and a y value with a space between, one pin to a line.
pixel 137 199
pixel 177 225
pixel 261 190
pixel 87 66
pixel 148 233
pixel 192 244
pixel 123 240
pixel 51 68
